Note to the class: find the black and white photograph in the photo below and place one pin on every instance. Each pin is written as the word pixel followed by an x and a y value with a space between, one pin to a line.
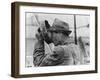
pixel 51 39
pixel 57 39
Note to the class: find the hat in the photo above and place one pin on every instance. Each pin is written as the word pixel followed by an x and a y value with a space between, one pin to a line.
pixel 60 26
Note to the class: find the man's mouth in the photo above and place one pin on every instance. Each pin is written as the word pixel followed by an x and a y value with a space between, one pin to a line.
pixel 57 43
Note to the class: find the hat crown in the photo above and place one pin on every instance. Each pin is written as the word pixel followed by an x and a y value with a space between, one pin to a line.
pixel 58 24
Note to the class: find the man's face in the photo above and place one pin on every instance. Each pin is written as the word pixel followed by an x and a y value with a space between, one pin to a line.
pixel 57 38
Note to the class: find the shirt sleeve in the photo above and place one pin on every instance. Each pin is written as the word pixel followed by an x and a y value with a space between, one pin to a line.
pixel 38 53
pixel 72 54
pixel 42 59
pixel 54 59
pixel 76 54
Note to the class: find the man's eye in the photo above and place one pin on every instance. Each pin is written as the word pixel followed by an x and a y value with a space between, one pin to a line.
pixel 56 32
pixel 87 44
pixel 54 51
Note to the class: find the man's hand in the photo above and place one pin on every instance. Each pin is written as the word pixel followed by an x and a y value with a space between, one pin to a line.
pixel 39 36
pixel 58 52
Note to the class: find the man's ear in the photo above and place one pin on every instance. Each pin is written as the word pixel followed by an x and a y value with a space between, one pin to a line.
pixel 47 24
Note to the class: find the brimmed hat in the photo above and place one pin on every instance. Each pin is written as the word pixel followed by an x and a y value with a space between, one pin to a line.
pixel 60 26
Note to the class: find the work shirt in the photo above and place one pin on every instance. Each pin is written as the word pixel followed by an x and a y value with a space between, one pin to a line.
pixel 66 54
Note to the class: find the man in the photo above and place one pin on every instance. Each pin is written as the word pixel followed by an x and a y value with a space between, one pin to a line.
pixel 65 51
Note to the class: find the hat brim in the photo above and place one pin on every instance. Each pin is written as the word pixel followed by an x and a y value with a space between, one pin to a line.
pixel 67 32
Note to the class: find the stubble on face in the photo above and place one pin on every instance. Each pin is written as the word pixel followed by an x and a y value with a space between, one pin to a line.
pixel 57 38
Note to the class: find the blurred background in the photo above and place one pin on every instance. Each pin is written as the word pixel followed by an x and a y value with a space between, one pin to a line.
pixel 79 24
